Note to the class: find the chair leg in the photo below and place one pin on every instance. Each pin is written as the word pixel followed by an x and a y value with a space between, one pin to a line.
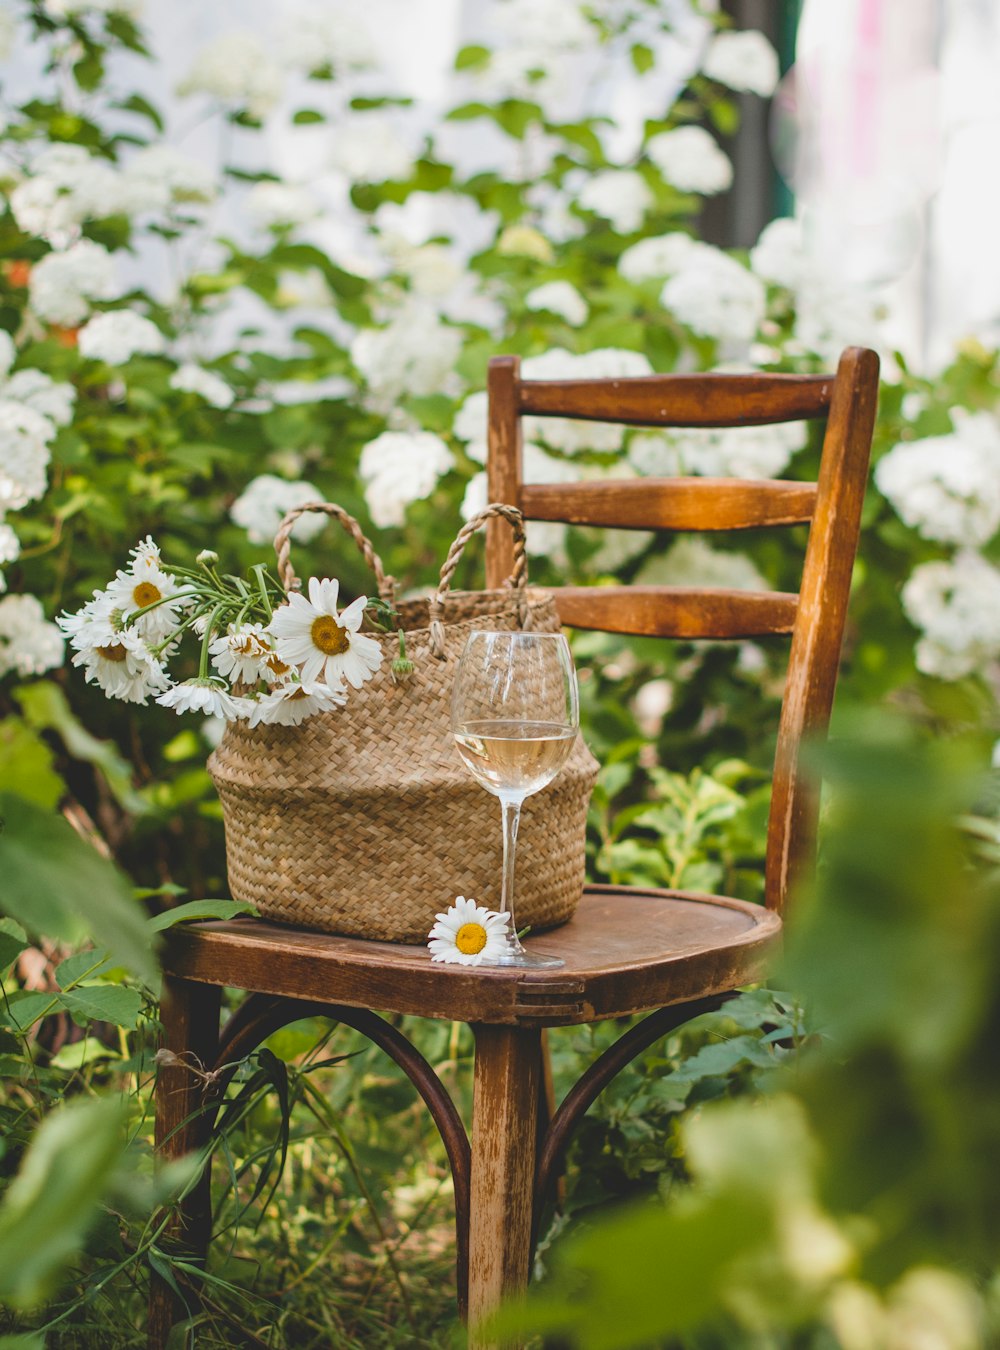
pixel 190 1016
pixel 508 1079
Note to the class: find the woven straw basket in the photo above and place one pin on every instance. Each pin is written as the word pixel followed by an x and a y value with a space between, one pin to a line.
pixel 363 821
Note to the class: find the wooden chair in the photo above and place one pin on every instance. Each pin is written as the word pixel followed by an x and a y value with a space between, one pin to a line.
pixel 670 955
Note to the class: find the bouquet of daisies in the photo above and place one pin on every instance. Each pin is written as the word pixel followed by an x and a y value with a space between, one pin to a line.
pixel 266 657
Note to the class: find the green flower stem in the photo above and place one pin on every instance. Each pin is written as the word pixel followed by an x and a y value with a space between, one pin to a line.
pixel 206 641
pixel 260 572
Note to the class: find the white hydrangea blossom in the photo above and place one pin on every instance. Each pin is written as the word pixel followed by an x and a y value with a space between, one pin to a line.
pixel 743 61
pixel 532 40
pixel 561 433
pixel 369 148
pixel 66 185
pixel 29 644
pixel 425 216
pixel 331 34
pixel 658 258
pixel 264 502
pixel 196 380
pixel 718 452
pixel 948 487
pixel 60 8
pixel 271 204
pixel 36 390
pixel 692 561
pixel 779 253
pixel 63 285
pixel 717 297
pixel 414 354
pixel 10 545
pixel 690 160
pixel 956 604
pixel 24 454
pixel 119 335
pixel 158 175
pixel 562 298
pixel 433 270
pixel 8 352
pixel 622 196
pixel 237 69
pixel 400 467
pixel 470 425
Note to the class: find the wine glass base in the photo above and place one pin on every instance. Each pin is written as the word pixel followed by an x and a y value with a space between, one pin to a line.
pixel 532 960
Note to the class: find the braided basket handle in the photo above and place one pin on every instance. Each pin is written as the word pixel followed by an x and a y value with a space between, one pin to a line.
pixel 517 581
pixel 283 548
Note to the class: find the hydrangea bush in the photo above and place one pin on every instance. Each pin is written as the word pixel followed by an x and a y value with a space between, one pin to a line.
pixel 195 339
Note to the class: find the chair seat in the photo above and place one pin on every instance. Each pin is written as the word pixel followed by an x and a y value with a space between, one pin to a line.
pixel 626 951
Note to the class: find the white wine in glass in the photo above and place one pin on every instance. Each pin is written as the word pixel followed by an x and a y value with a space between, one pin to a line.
pixel 515 716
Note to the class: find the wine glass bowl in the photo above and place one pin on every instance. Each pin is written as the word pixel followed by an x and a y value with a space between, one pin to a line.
pixel 515 717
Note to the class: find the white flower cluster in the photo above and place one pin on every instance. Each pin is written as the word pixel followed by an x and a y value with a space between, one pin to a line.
pixel 326 34
pixel 622 196
pixel 717 452
pixel 744 61
pixel 273 673
pixel 414 354
pixel 370 148
pixel 710 292
pixel 264 503
pixel 67 185
pixel 562 298
pixel 692 561
pixel 32 408
pixel 236 68
pixel 117 336
pixel 274 204
pixel 63 285
pixel 29 644
pixel 194 379
pixel 690 159
pixel 956 605
pixel 531 44
pixel 400 467
pixel 948 487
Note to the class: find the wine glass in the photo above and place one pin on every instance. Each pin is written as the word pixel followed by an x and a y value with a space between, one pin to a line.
pixel 514 715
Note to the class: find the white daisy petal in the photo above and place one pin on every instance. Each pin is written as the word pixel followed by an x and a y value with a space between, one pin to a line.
pixel 468 934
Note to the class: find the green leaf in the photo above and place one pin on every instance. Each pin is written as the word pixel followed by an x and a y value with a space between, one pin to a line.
pixel 56 884
pixel 26 1342
pixel 26 764
pixel 53 1200
pixel 45 709
pixel 643 58
pixel 81 965
pixel 472 57
pixel 137 104
pixel 104 1003
pixel 199 909
pixel 11 948
pixel 307 117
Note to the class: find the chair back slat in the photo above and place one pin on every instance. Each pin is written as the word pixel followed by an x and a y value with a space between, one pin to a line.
pixel 832 507
pixel 681 400
pixel 672 503
pixel 676 611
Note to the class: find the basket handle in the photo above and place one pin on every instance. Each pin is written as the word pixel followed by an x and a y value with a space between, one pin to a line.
pixel 517 581
pixel 283 548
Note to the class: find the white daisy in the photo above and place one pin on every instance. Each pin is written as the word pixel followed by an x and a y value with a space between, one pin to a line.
pixel 205 696
pixel 145 583
pixel 238 654
pixel 325 645
pixel 467 934
pixel 119 662
pixel 290 704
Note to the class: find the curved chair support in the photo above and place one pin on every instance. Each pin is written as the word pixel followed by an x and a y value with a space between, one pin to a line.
pixel 594 1080
pixel 261 1015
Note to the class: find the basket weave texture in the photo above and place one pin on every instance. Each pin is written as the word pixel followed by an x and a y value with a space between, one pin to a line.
pixel 364 821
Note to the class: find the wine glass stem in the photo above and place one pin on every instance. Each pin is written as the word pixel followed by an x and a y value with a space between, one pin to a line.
pixel 511 808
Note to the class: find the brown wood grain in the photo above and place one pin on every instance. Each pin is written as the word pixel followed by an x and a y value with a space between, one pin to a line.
pixel 503 463
pixel 676 611
pixel 680 400
pixel 508 1081
pixel 671 503
pixel 189 1013
pixel 819 629
pixel 626 950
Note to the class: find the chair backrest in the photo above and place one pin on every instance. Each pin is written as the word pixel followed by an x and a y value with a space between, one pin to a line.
pixel 831 507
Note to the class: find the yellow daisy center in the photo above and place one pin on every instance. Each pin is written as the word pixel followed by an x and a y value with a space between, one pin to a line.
pixel 328 636
pixel 116 652
pixel 298 694
pixel 470 938
pixel 146 594
pixel 276 666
